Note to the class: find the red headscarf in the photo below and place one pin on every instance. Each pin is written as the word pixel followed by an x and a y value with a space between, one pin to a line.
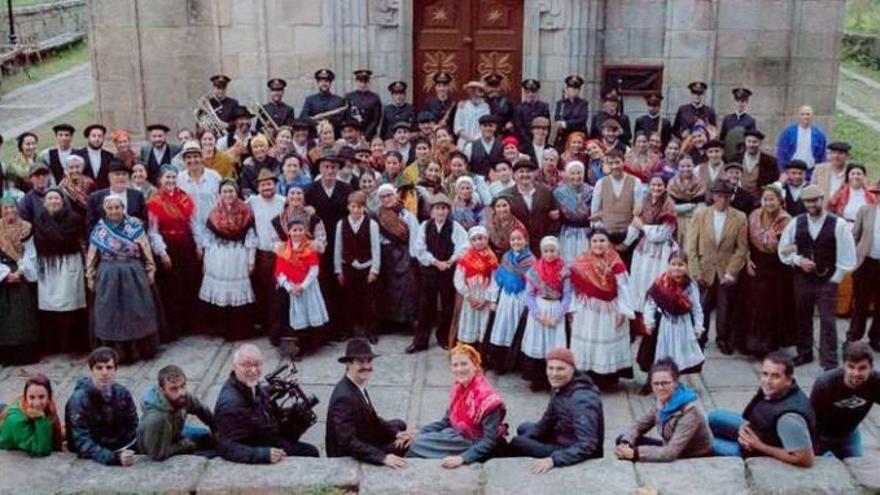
pixel 295 262
pixel 469 403
pixel 550 273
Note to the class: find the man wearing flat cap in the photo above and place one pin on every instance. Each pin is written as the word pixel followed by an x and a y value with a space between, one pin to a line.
pixel 532 203
pixel 441 103
pixel 528 110
pixel 693 113
pixel 159 152
pixel 466 125
pixel 819 247
pixel 653 121
pixel 611 111
pixel 364 106
pixel 282 113
pixel 571 112
pixel 740 117
pixel 499 102
pixel 485 151
pixel 831 175
pixel 324 101
pixel 397 111
pixel 96 158
pixel 223 104
pixel 742 199
pixel 759 168
pixel 795 183
pixel 354 428
pixel 538 143
pixel 56 157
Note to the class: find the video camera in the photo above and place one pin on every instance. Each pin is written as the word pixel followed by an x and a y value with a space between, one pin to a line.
pixel 290 405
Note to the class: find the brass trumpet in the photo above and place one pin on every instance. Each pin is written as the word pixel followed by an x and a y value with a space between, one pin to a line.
pixel 206 117
pixel 329 113
pixel 270 127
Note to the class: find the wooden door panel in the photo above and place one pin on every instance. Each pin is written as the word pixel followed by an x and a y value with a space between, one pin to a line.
pixel 498 42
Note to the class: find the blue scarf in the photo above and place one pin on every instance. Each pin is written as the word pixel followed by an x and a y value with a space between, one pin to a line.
pixel 680 398
pixel 510 274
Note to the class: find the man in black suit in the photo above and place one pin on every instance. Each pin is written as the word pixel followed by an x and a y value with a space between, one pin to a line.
pixel 159 152
pixel 442 105
pixel 652 121
pixel 118 176
pixel 397 111
pixel 571 112
pixel 540 213
pixel 759 168
pixel 282 113
pixel 353 426
pixel 611 110
pixel 528 110
pixel 96 157
pixel 485 151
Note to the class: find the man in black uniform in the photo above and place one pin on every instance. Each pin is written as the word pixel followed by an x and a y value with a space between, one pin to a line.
pixel 398 111
pixel 572 111
pixel 529 108
pixel 650 122
pixel 694 112
pixel 325 101
pixel 282 113
pixel 442 105
pixel 499 103
pixel 223 105
pixel 364 106
pixel 739 118
pixel 611 110
pixel 54 158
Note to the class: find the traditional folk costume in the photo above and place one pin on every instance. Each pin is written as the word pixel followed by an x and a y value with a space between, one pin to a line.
pixel 651 256
pixel 296 265
pixel 357 254
pixel 574 209
pixel 687 195
pixel 616 201
pixel 77 194
pixel 474 280
pixel 672 310
pixel 118 267
pixel 172 229
pixel 499 231
pixel 510 309
pixel 467 213
pixel 19 332
pixel 230 246
pixel 268 315
pixel 845 203
pixel 398 288
pixel 601 292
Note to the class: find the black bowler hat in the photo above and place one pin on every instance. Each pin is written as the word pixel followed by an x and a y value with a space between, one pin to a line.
pixel 62 127
pixel 524 163
pixel 363 74
pixel 797 164
pixel 840 146
pixel 754 133
pixel 741 94
pixel 721 186
pixel 220 81
pixel 325 74
pixel 442 77
pixel 346 153
pixel 531 84
pixel 116 165
pixel 357 349
pixel 493 80
pixel 397 87
pixel 488 119
pixel 276 84
pixel 89 128
pixel 698 87
pixel 159 127
pixel 334 159
pixel 574 81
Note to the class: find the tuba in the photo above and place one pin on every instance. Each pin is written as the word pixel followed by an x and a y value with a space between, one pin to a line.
pixel 207 118
pixel 270 127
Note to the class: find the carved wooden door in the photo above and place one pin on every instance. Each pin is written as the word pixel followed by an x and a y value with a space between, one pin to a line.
pixel 469 39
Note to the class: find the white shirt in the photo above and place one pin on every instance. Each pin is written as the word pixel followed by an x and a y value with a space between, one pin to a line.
pixel 751 161
pixel 204 192
pixel 459 240
pixel 467 119
pixel 527 196
pixel 846 245
pixel 94 159
pixel 856 201
pixel 375 261
pixel 157 153
pixel 804 149
pixel 264 211
pixel 718 219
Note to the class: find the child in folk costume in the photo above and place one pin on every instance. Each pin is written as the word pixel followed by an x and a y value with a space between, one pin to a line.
pixel 547 296
pixel 574 198
pixel 296 271
pixel 601 307
pixel 673 319
pixel 475 282
pixel 510 278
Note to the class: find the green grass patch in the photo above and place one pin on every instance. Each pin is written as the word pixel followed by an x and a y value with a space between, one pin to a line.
pixel 864 140
pixel 862 70
pixel 62 60
pixel 863 16
pixel 78 118
pixel 29 3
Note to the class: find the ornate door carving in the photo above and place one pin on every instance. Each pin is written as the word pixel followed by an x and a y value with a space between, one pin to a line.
pixel 469 39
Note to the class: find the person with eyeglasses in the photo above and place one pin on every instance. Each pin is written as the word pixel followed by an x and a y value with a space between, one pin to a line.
pixel 678 416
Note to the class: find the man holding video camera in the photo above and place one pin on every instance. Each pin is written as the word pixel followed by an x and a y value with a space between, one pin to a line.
pixel 247 429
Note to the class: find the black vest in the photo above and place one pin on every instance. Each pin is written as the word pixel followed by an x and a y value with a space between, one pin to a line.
pixel 822 250
pixel 792 206
pixel 763 413
pixel 356 246
pixel 439 243
pixel 55 165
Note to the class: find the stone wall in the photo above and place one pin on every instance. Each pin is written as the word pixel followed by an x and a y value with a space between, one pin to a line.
pixel 45 20
pixel 787 51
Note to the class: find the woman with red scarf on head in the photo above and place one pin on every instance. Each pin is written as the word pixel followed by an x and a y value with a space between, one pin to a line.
pixel 32 424
pixel 124 150
pixel 473 428
pixel 172 238
pixel 475 283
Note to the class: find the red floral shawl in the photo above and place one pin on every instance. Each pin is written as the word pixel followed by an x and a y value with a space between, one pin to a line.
pixel 482 263
pixel 595 276
pixel 550 276
pixel 670 295
pixel 231 221
pixel 295 262
pixel 470 403
pixel 173 210
pixel 841 198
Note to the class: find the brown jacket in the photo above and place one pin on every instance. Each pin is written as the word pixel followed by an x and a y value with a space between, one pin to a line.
pixel 863 232
pixel 822 178
pixel 708 260
pixel 685 434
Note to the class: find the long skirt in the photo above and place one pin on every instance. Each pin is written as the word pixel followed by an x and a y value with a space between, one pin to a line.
pixel 507 316
pixel 539 339
pixel 226 281
pixel 598 344
pixel 439 444
pixel 179 286
pixel 769 306
pixel 573 241
pixel 471 322
pixel 674 337
pixel 124 313
pixel 19 331
pixel 396 301
pixel 308 309
pixel 650 259
pixel 61 283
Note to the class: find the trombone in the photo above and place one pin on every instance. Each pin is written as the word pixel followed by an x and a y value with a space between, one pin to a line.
pixel 207 118
pixel 270 127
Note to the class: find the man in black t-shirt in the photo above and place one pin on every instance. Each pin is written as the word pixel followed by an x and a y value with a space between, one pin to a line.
pixel 841 398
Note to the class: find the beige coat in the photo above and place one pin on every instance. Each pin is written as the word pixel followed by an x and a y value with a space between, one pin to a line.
pixel 685 434
pixel 708 260
pixel 822 177
pixel 863 232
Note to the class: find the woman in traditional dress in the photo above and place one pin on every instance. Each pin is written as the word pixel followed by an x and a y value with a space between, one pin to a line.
pixel 224 163
pixel 770 301
pixel 120 270
pixel 430 184
pixel 547 297
pixel 502 350
pixel 499 223
pixel 394 176
pixel 124 151
pixel 61 290
pixel 31 424
pixel 575 147
pixel 640 161
pixel 415 170
pixel 550 173
pixel 657 223
pixel 687 192
pixel 17 171
pixel 475 283
pixel 293 174
pixel 172 236
pixel 668 165
pixel 673 321
pixel 230 245
pixel 296 271
pixel 467 209
pixel 473 428
pixel 595 163
pixel 398 229
pixel 281 145
pixel 19 332
pixel 325 145
pixel 502 180
pixel 601 307
pixel 458 168
pixel 443 148
pixel 368 184
pixel 140 181
pixel 295 208
pixel 77 186
pixel 693 146
pixel 377 154
pixel 574 198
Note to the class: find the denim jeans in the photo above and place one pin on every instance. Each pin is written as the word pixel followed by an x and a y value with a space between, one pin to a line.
pixel 725 428
pixel 202 437
pixel 842 447
pixel 529 446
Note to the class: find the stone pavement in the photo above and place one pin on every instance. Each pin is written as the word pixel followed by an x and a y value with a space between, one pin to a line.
pixel 30 106
pixel 415 388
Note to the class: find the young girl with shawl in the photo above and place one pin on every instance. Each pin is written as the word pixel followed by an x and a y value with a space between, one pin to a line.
pixel 473 428
pixel 673 320
pixel 475 282
pixel 30 429
pixel 467 209
pixel 19 332
pixel 574 197
pixel 510 278
pixel 548 295
pixel 230 245
pixel 296 271
pixel 657 222
pixel 601 306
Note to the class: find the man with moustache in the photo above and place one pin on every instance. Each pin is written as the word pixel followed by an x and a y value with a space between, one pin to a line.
pixel 353 426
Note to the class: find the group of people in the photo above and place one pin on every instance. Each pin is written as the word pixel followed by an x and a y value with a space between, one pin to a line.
pixel 332 225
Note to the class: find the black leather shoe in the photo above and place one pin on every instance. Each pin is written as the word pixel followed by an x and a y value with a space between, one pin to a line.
pixel 802 359
pixel 724 348
pixel 412 349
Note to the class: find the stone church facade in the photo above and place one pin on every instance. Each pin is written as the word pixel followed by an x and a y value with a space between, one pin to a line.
pixel 152 58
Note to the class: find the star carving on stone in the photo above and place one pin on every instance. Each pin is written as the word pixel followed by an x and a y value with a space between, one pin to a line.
pixel 439 15
pixel 494 16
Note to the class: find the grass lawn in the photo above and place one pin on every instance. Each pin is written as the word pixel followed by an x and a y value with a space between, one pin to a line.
pixel 861 69
pixel 62 60
pixel 864 140
pixel 28 3
pixel 863 16
pixel 78 118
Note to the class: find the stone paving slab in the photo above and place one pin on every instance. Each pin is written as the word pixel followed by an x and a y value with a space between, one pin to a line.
pixel 600 476
pixel 422 476
pixel 826 476
pixel 866 470
pixel 177 475
pixel 18 471
pixel 715 475
pixel 292 475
